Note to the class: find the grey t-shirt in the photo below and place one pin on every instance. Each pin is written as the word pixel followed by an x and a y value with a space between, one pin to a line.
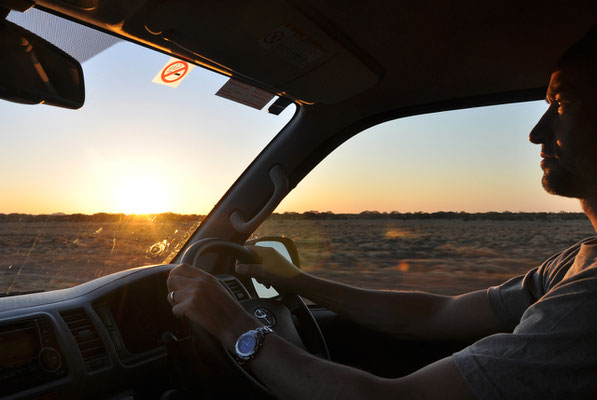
pixel 551 352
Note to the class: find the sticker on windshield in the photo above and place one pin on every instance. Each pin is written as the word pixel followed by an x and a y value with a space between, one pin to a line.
pixel 245 94
pixel 173 72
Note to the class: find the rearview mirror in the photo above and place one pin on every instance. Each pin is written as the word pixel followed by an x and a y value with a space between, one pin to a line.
pixel 33 71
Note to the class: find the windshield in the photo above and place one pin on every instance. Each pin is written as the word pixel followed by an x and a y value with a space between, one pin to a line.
pixel 124 181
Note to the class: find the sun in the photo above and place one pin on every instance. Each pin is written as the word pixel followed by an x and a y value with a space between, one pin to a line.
pixel 141 195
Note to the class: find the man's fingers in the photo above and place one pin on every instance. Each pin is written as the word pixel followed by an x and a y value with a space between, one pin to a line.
pixel 263 252
pixel 182 287
pixel 179 309
pixel 187 270
pixel 177 282
pixel 176 296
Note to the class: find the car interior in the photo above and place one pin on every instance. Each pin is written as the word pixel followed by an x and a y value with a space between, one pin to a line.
pixel 347 66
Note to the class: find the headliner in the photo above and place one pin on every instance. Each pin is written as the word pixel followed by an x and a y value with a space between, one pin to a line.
pixel 382 56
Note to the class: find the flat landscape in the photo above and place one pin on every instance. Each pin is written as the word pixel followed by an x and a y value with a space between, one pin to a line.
pixel 447 256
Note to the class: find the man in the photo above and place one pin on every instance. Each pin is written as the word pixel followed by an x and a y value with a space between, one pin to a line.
pixel 536 335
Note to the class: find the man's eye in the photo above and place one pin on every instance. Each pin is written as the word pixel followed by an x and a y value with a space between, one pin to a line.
pixel 555 106
pixel 559 103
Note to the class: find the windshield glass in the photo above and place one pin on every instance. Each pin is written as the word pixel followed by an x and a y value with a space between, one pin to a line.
pixel 126 179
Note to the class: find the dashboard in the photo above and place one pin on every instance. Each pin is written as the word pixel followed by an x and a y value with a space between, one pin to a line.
pixel 100 340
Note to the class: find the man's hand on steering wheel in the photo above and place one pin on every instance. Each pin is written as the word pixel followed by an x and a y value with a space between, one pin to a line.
pixel 274 270
pixel 201 298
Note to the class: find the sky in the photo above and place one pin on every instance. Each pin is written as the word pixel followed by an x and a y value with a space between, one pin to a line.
pixel 140 147
pixel 473 160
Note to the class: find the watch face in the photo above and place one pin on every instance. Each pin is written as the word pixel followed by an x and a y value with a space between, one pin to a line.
pixel 245 346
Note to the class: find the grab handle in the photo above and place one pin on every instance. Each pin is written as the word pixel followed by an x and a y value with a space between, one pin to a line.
pixel 280 181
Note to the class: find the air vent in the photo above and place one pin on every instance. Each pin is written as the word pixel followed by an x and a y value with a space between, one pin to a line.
pixel 237 290
pixel 88 340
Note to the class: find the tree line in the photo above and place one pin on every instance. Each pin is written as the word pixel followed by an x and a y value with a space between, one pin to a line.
pixel 100 217
pixel 464 216
pixel 309 215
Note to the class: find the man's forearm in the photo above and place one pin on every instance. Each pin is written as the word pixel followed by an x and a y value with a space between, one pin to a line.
pixel 404 314
pixel 291 373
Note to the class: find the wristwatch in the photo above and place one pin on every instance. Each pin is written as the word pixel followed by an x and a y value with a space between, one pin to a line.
pixel 248 344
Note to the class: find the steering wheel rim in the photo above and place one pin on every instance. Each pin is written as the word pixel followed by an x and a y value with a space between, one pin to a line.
pixel 286 325
pixel 213 245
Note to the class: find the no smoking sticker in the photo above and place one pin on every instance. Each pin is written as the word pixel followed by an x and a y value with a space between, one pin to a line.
pixel 173 72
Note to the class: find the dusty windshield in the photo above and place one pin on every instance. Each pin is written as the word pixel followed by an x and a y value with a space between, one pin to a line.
pixel 123 181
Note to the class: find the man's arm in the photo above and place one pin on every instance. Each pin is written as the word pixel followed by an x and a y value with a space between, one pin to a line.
pixel 291 373
pixel 402 314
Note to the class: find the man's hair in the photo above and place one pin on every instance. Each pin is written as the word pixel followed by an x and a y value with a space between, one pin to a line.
pixel 584 50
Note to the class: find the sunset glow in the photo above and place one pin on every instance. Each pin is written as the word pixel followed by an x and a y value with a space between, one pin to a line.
pixel 141 195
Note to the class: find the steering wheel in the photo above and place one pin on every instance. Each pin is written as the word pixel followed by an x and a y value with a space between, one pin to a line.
pixel 287 315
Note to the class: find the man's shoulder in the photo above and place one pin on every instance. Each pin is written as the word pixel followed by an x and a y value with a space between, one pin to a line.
pixel 587 240
pixel 556 268
pixel 564 259
pixel 576 246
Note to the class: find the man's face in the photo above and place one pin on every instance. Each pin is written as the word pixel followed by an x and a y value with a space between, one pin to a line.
pixel 567 133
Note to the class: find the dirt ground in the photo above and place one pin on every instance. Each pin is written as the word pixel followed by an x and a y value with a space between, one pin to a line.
pixel 441 256
pixel 54 255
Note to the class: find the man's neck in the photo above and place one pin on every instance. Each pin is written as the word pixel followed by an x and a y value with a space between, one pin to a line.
pixel 589 206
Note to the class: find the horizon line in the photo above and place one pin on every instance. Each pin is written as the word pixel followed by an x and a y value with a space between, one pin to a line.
pixel 373 212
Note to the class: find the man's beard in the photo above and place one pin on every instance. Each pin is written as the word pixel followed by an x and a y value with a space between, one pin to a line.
pixel 562 182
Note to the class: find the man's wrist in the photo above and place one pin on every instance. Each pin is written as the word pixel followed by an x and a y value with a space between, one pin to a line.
pixel 249 343
pixel 233 332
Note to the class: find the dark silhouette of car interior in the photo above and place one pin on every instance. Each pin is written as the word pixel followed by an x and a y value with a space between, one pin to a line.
pixel 360 64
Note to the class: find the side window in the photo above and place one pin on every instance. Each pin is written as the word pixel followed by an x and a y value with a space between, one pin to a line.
pixel 445 203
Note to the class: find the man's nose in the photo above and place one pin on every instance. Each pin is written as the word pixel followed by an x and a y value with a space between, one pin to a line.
pixel 542 129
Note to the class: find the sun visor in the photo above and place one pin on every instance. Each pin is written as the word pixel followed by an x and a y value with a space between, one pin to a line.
pixel 268 42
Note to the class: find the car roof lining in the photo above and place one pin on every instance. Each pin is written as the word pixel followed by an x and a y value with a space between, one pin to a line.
pixel 391 55
pixel 409 110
